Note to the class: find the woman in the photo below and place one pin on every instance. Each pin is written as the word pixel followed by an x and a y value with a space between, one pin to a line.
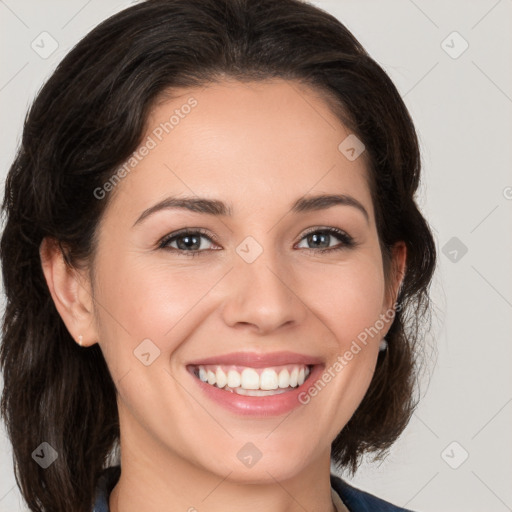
pixel 213 261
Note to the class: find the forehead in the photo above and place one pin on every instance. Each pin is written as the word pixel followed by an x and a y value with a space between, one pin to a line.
pixel 250 144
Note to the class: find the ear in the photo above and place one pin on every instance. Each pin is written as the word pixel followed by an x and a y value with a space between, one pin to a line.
pixel 397 273
pixel 71 292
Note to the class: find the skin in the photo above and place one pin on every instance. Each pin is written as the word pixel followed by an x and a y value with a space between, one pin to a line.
pixel 258 147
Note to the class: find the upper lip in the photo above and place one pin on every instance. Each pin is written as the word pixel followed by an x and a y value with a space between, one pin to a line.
pixel 258 360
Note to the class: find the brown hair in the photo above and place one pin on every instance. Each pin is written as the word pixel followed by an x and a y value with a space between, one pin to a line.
pixel 87 120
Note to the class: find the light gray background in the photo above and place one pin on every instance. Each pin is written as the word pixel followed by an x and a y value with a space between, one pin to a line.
pixel 462 108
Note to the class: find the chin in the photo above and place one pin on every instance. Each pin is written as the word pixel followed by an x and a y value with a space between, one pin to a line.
pixel 264 471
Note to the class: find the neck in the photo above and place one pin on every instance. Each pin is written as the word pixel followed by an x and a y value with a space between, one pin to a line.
pixel 157 480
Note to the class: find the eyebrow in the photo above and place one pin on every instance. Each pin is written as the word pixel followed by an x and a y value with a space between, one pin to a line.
pixel 216 207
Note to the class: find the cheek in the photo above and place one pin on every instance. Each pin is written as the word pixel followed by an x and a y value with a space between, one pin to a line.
pixel 163 301
pixel 161 297
pixel 166 295
pixel 347 298
pixel 154 301
pixel 348 301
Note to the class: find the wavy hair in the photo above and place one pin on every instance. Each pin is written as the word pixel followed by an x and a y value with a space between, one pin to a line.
pixel 87 119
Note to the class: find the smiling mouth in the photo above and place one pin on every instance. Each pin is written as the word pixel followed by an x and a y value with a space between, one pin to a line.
pixel 248 381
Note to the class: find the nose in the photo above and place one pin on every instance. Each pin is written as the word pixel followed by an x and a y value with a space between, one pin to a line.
pixel 260 296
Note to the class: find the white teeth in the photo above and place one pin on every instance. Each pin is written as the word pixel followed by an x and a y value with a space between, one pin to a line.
pixel 234 379
pixel 221 378
pixel 211 377
pixel 294 377
pixel 268 381
pixel 301 377
pixel 284 378
pixel 250 379
pixel 259 392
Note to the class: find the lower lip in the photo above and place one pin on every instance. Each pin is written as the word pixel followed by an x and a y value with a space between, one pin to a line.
pixel 262 406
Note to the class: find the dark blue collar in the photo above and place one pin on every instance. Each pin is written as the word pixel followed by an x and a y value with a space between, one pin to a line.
pixel 359 501
pixel 354 499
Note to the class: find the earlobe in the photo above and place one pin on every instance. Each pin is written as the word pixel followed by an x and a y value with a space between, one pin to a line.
pixel 399 267
pixel 397 272
pixel 70 291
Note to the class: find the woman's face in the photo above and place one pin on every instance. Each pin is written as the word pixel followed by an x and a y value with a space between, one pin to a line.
pixel 251 303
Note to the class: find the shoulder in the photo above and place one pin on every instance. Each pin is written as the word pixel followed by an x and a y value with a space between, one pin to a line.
pixel 106 483
pixel 360 501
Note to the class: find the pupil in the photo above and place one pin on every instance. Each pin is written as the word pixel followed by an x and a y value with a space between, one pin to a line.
pixel 189 242
pixel 316 238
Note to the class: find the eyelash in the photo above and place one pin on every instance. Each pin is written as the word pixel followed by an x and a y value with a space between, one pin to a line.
pixel 347 241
